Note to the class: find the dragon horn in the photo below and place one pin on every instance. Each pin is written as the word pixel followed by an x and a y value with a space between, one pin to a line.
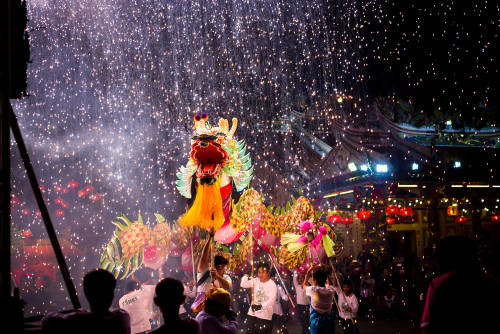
pixel 233 128
pixel 223 125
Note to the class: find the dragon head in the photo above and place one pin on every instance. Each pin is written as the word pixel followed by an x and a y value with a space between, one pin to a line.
pixel 214 155
pixel 208 147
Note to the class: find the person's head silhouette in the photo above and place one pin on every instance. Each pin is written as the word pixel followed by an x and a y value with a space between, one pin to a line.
pixel 99 287
pixel 319 276
pixel 169 296
pixel 456 253
pixel 217 302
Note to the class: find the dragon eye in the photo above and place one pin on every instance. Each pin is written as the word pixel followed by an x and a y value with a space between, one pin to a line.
pixel 204 116
pixel 197 118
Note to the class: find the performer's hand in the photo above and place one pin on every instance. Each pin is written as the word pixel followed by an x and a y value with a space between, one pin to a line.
pixel 256 307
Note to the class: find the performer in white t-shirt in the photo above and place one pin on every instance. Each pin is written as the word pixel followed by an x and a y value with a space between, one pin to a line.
pixel 138 302
pixel 303 302
pixel 348 306
pixel 264 298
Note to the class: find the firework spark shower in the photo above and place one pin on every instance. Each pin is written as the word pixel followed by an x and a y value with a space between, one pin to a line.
pixel 113 86
pixel 353 104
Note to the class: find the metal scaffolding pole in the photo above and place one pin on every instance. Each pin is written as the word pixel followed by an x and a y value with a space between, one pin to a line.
pixel 43 210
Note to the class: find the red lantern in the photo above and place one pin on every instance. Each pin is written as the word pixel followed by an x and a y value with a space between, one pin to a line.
pixel 57 188
pixel 25 211
pixel 406 212
pixel 82 193
pixel 391 210
pixel 347 220
pixel 460 219
pixel 452 210
pixel 495 218
pixel 59 213
pixel 27 233
pixel 390 220
pixel 363 214
pixel 334 219
pixel 59 200
pixel 72 184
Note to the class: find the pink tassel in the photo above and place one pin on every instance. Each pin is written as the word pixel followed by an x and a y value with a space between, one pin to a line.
pixel 323 230
pixel 317 240
pixel 305 226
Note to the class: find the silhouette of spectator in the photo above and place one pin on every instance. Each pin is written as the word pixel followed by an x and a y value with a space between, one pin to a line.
pixel 217 306
pixel 169 297
pixel 390 304
pixel 462 299
pixel 98 286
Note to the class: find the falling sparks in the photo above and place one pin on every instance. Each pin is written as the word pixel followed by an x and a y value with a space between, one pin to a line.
pixel 113 86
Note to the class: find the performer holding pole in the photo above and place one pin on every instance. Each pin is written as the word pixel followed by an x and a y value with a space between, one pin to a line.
pixel 348 305
pixel 321 318
pixel 208 277
pixel 263 299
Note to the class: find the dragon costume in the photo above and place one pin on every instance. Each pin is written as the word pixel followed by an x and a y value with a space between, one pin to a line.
pixel 292 234
pixel 216 161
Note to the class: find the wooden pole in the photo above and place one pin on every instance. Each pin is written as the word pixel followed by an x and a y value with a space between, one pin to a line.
pixel 334 298
pixel 251 260
pixel 281 280
pixel 340 288
pixel 192 262
pixel 212 254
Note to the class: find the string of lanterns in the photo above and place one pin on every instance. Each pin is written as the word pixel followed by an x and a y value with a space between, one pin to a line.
pixel 395 213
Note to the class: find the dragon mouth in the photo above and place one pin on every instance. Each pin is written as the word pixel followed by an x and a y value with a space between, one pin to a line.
pixel 209 157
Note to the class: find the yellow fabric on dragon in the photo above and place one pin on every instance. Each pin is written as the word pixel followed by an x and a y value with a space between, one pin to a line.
pixel 291 242
pixel 206 211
